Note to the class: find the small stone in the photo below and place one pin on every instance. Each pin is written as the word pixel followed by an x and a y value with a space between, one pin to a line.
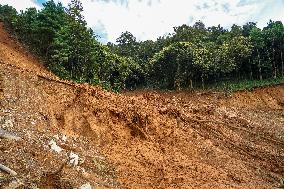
pixel 55 147
pixel 86 186
pixel 74 159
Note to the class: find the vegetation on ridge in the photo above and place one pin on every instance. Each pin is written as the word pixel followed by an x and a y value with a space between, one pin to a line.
pixel 191 57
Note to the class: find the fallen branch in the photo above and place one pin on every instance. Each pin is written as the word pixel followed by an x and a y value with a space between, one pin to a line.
pixel 7 170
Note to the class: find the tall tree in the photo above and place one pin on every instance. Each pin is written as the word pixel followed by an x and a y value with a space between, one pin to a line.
pixel 8 15
pixel 274 35
pixel 127 44
pixel 257 38
pixel 247 28
pixel 173 66
pixel 74 44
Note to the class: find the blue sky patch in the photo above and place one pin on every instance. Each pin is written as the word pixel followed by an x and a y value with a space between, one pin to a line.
pixel 39 2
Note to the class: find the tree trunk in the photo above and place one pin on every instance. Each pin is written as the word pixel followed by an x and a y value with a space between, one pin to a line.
pixel 202 79
pixel 250 74
pixel 72 68
pixel 282 65
pixel 177 79
pixel 190 81
pixel 47 50
pixel 259 65
pixel 274 65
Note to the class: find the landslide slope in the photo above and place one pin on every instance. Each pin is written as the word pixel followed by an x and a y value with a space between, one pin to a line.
pixel 141 139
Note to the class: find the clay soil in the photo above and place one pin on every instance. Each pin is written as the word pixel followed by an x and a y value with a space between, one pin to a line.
pixel 140 139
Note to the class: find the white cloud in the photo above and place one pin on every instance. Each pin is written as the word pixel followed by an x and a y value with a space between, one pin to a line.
pixel 144 21
pixel 273 11
pixel 149 22
pixel 148 19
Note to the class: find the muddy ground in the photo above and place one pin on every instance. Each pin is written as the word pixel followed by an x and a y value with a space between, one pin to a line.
pixel 75 135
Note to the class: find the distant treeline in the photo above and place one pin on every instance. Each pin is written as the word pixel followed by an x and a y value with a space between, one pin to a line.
pixel 190 57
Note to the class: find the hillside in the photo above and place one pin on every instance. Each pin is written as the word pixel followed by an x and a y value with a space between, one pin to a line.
pixel 74 135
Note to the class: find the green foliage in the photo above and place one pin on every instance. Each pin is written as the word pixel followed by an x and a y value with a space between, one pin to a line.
pixel 232 86
pixel 73 49
pixel 48 23
pixel 60 36
pixel 8 15
pixel 114 71
pixel 190 57
pixel 37 29
pixel 172 67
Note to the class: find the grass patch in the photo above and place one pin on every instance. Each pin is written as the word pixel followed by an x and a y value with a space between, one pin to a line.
pixel 232 86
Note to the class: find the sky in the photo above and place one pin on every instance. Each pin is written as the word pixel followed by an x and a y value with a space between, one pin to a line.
pixel 149 19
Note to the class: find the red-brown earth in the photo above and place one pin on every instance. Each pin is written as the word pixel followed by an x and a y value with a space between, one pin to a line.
pixel 140 139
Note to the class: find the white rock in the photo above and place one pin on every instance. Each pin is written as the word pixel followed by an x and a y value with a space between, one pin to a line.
pixel 74 159
pixel 56 137
pixel 54 146
pixel 86 186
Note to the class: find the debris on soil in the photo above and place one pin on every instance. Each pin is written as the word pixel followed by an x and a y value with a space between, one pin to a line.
pixel 8 135
pixel 86 186
pixel 80 136
pixel 74 159
pixel 14 184
pixel 54 147
pixel 7 170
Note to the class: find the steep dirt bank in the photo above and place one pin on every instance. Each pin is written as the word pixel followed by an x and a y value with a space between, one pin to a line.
pixel 11 52
pixel 135 140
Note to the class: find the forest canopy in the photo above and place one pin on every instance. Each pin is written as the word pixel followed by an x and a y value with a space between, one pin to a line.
pixel 191 57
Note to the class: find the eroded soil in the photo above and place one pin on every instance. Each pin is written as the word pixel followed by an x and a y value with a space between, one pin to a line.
pixel 141 139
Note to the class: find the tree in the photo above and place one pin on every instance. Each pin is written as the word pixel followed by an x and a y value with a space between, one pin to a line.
pixel 236 31
pixel 172 67
pixel 127 45
pixel 8 15
pixel 215 33
pixel 247 28
pixel 240 49
pixel 37 29
pixel 73 46
pixel 75 9
pixel 203 60
pixel 274 35
pixel 25 27
pixel 49 21
pixel 190 55
pixel 114 71
pixel 195 34
pixel 257 38
pixel 183 33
